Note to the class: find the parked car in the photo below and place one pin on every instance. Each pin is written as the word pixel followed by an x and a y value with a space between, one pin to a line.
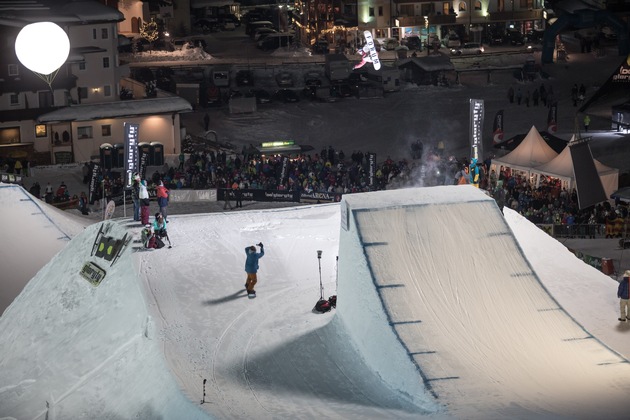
pixel 321 46
pixel 535 36
pixel 413 42
pixel 229 26
pixel 286 96
pixel 244 78
pixel 261 95
pixel 452 40
pixel 390 44
pixel 208 25
pixel 496 38
pixel 468 49
pixel 275 41
pixel 515 37
pixel 262 33
pixel 284 79
pixel 313 79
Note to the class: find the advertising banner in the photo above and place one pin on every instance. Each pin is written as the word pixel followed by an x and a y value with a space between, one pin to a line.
pixel 476 128
pixel 131 153
pixel 371 159
pixel 96 171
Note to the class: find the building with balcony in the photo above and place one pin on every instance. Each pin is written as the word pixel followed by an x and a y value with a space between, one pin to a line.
pixel 82 108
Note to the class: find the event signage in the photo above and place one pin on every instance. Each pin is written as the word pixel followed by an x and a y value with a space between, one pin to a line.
pixel 371 158
pixel 96 171
pixel 476 128
pixel 131 152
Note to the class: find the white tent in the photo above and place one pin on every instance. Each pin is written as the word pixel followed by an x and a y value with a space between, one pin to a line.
pixel 561 167
pixel 533 151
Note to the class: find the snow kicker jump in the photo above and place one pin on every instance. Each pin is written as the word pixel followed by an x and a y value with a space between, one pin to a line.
pixel 444 278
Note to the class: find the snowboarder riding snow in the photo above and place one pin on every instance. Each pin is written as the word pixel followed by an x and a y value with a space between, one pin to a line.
pixel 251 267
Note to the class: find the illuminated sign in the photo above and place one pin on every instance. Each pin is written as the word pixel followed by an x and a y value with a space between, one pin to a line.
pixel 277 143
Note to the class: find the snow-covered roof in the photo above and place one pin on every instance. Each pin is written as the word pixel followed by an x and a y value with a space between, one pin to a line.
pixel 87 112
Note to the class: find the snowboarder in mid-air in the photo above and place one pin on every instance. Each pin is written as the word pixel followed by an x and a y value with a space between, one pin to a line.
pixel 251 268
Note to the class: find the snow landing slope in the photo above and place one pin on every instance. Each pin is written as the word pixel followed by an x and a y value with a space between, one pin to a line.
pixel 71 350
pixel 465 311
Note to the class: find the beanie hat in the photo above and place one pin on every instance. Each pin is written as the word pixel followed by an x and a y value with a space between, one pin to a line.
pixel 627 273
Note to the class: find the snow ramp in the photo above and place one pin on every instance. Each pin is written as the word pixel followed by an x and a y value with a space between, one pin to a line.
pixel 438 276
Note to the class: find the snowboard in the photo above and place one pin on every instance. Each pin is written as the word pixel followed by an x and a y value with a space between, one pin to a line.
pixel 251 295
pixel 109 210
pixel 373 54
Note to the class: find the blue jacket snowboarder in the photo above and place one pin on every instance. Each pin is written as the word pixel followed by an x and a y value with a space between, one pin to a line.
pixel 251 266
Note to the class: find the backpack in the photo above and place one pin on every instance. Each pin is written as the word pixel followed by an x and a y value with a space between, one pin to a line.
pixel 322 306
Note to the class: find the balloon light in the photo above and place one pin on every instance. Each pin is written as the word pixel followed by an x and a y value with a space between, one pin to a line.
pixel 42 47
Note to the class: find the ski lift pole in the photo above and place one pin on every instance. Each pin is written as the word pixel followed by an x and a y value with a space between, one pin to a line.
pixel 321 286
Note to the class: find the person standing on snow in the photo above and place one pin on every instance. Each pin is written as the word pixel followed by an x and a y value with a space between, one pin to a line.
pixel 162 199
pixel 251 266
pixel 135 197
pixel 144 202
pixel 623 295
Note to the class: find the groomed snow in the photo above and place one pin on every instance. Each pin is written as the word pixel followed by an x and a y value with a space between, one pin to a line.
pixel 519 326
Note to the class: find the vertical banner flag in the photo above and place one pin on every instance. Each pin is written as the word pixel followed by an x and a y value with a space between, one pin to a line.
pixel 371 158
pixel 497 128
pixel 142 170
pixel 476 128
pixel 552 118
pixel 131 152
pixel 96 171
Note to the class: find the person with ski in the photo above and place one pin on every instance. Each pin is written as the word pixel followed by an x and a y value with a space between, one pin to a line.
pixel 162 199
pixel 623 295
pixel 251 266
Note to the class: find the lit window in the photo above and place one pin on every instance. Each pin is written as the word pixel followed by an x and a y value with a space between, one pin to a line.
pixel 84 132
pixel 41 130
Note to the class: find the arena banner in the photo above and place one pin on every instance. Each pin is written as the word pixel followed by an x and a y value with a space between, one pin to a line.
pixel 476 128
pixel 131 152
pixel 284 174
pixel 280 196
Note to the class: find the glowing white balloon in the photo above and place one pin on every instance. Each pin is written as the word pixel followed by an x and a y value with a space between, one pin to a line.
pixel 42 47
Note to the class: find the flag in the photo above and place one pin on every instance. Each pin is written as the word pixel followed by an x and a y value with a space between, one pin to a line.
pixel 371 158
pixel 131 152
pixel 552 118
pixel 497 128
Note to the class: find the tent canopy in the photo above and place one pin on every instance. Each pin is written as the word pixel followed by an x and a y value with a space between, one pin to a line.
pixel 531 152
pixel 556 143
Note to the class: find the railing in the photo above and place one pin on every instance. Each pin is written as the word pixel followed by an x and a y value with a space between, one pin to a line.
pixel 574 231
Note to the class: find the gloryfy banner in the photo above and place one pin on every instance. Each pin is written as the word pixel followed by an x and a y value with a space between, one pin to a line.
pixel 131 153
pixel 476 128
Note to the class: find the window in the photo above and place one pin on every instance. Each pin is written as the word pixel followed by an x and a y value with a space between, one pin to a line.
pixel 477 5
pixel 14 70
pixel 82 92
pixel 104 33
pixel 84 132
pixel 105 62
pixel 446 8
pixel 107 90
pixel 380 10
pixel 526 4
pixel 406 9
pixel 14 99
pixel 93 33
pixel 106 130
pixel 462 6
pixel 371 11
pixel 41 130
pixel 82 65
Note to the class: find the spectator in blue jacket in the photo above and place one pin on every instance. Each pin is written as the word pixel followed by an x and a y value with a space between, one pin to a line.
pixel 251 266
pixel 622 294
